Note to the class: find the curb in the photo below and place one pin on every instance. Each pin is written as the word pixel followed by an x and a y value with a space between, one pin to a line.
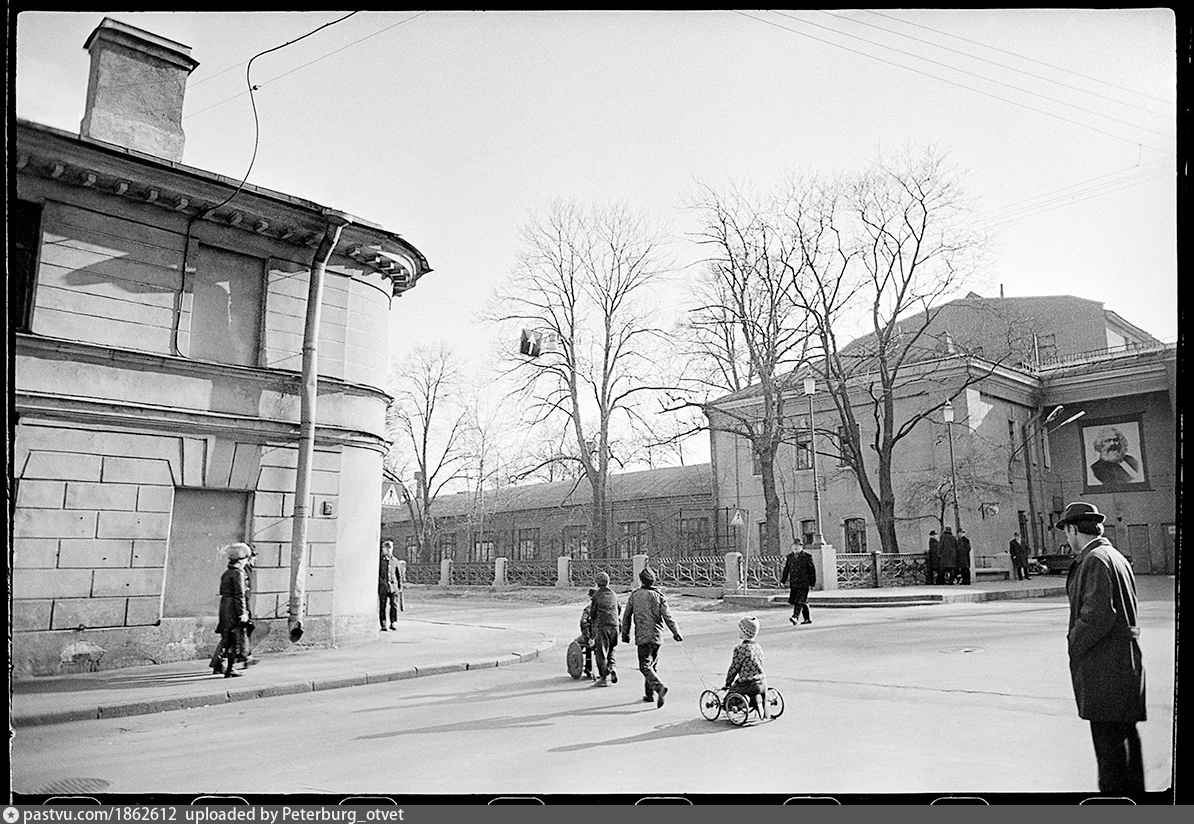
pixel 929 599
pixel 292 687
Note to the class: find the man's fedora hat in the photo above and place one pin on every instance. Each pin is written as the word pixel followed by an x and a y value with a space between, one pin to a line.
pixel 1080 511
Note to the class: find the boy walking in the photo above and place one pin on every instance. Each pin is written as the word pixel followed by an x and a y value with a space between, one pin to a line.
pixel 648 608
pixel 603 623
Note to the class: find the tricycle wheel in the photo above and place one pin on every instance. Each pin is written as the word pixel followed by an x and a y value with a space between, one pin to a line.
pixel 710 705
pixel 737 708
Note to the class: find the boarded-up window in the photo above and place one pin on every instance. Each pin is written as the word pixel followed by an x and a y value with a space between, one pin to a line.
pixel 203 521
pixel 226 307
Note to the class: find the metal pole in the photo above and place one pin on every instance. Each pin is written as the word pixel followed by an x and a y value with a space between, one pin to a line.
pixel 953 477
pixel 812 445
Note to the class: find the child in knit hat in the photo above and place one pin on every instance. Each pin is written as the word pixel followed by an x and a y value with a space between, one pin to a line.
pixel 745 675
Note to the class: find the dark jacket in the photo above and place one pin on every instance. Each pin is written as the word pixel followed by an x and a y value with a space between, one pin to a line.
pixel 799 574
pixel 387 576
pixel 648 608
pixel 934 551
pixel 605 610
pixel 1016 550
pixel 962 559
pixel 234 599
pixel 948 550
pixel 1106 666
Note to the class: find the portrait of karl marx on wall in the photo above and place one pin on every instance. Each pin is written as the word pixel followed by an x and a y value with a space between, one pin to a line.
pixel 1114 454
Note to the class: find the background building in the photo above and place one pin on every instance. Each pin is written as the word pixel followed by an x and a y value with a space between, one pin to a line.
pixel 1015 472
pixel 159 314
pixel 661 512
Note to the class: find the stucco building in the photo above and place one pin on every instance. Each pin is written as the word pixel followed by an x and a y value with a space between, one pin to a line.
pixel 1015 472
pixel 158 315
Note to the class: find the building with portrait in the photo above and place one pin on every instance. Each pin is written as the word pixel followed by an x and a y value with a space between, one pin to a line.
pixel 159 314
pixel 1017 458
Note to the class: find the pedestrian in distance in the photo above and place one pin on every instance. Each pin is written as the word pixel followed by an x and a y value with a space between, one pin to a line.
pixel 388 587
pixel 234 607
pixel 603 619
pixel 962 561
pixel 933 559
pixel 1106 665
pixel 800 574
pixel 244 656
pixel 948 553
pixel 1019 557
pixel 647 607
pixel 745 675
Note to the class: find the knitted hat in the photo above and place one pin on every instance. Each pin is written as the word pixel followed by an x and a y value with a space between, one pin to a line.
pixel 602 579
pixel 237 551
pixel 647 576
pixel 748 627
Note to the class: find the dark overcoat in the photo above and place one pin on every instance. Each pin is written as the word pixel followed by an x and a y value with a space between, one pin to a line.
pixel 799 574
pixel 387 576
pixel 234 600
pixel 962 559
pixel 947 550
pixel 1106 666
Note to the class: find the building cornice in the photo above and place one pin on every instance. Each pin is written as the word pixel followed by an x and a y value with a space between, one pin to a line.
pixel 115 171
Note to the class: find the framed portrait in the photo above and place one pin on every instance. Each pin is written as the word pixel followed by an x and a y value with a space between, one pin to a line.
pixel 1113 455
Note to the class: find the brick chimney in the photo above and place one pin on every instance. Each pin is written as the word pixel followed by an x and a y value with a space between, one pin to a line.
pixel 135 89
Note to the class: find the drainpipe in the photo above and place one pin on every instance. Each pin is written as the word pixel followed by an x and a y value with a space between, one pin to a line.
pixel 302 482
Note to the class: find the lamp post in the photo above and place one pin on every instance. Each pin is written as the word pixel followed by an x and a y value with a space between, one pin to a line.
pixel 810 388
pixel 947 413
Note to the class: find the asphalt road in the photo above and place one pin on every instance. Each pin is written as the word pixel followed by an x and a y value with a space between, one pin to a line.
pixel 965 698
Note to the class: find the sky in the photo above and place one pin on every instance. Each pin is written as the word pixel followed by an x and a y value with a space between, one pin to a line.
pixel 452 128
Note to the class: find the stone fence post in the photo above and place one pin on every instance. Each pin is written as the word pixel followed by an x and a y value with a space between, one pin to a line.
pixel 640 563
pixel 563 571
pixel 499 573
pixel 735 573
pixel 445 572
pixel 825 562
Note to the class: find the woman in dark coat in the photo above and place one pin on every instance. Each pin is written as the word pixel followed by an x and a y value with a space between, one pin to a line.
pixel 799 574
pixel 234 606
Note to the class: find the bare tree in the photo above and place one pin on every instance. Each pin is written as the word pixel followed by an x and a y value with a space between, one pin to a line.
pixel 428 424
pixel 582 284
pixel 890 250
pixel 747 336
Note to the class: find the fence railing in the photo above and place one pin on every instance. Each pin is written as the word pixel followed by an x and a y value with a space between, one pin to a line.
pixel 694 571
pixel 530 573
pixel 865 570
pixel 428 573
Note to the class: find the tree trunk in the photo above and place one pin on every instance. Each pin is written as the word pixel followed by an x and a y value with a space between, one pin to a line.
pixel 770 544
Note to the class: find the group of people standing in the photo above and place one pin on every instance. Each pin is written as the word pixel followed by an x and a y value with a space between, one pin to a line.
pixel 949 557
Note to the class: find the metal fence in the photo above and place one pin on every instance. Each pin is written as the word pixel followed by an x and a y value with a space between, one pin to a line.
pixel 903 570
pixel 531 573
pixel 620 571
pixel 763 571
pixel 856 571
pixel 472 573
pixel 427 573
pixel 695 571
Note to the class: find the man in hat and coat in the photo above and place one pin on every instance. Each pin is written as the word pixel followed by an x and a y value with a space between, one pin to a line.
pixel 800 574
pixel 647 607
pixel 1106 666
pixel 962 561
pixel 947 553
pixel 933 559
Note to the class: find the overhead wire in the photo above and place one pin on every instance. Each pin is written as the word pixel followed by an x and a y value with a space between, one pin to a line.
pixel 991 62
pixel 1018 55
pixel 1045 112
pixel 312 62
pixel 973 74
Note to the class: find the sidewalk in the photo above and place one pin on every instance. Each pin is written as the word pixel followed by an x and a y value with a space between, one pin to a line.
pixel 1039 586
pixel 417 648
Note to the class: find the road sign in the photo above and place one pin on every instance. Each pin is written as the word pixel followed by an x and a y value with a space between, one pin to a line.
pixel 390 498
pixel 737 520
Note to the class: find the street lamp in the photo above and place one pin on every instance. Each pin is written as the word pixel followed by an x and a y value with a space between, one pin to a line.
pixel 947 412
pixel 810 388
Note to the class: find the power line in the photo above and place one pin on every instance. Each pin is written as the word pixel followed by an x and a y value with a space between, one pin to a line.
pixel 1020 56
pixel 1028 203
pixel 993 63
pixel 975 75
pixel 312 62
pixel 950 82
pixel 1097 191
